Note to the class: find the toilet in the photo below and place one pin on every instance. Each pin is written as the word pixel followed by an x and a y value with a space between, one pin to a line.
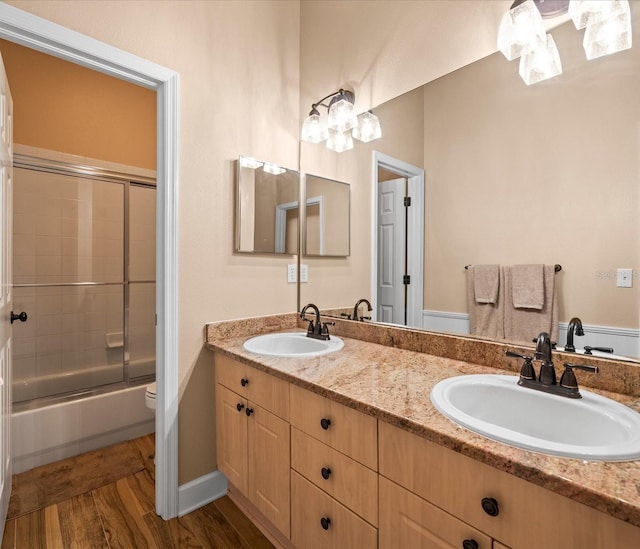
pixel 150 396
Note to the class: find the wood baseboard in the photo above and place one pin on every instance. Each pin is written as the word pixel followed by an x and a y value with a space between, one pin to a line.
pixel 262 523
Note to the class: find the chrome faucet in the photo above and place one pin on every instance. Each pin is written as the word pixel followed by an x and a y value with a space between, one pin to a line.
pixel 575 327
pixel 317 330
pixel 357 306
pixel 546 380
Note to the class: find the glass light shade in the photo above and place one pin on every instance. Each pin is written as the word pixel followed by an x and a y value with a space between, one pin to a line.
pixel 273 168
pixel 248 162
pixel 368 127
pixel 587 12
pixel 313 130
pixel 542 63
pixel 608 36
pixel 339 141
pixel 521 30
pixel 342 116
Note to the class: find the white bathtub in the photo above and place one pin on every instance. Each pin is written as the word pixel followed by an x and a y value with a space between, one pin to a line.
pixel 70 428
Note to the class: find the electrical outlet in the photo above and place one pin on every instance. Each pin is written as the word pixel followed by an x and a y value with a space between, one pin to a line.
pixel 304 273
pixel 624 278
pixel 292 273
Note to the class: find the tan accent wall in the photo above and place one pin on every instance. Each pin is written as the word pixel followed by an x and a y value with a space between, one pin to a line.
pixel 64 107
pixel 238 64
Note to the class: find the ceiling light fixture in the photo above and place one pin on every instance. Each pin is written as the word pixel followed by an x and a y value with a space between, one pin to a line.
pixel 342 123
pixel 521 33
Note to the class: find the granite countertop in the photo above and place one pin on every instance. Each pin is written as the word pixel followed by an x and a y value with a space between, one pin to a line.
pixel 393 385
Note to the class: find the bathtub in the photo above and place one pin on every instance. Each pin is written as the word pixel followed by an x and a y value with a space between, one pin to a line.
pixel 66 429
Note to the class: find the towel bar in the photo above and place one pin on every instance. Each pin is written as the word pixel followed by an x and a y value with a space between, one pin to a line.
pixel 557 267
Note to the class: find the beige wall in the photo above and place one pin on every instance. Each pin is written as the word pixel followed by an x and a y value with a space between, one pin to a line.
pixel 239 94
pixel 540 174
pixel 64 107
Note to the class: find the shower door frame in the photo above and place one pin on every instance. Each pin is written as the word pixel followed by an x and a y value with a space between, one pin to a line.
pixel 42 35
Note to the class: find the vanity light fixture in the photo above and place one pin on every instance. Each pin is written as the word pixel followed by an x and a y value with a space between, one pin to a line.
pixel 342 124
pixel 521 33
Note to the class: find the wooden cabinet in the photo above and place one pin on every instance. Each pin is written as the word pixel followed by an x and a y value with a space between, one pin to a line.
pixel 528 516
pixel 409 521
pixel 253 444
pixel 345 429
pixel 319 521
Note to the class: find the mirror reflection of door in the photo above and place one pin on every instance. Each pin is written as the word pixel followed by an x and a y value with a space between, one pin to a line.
pixel 397 279
pixel 392 249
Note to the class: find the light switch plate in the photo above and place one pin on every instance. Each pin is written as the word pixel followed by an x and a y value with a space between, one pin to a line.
pixel 624 278
pixel 304 273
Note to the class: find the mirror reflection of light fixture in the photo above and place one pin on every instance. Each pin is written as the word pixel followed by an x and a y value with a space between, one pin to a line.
pixel 273 168
pixel 248 162
pixel 342 124
pixel 521 33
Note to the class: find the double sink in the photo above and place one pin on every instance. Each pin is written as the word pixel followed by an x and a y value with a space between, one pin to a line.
pixel 593 428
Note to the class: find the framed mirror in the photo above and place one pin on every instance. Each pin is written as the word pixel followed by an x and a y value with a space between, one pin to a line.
pixel 514 174
pixel 267 208
pixel 327 230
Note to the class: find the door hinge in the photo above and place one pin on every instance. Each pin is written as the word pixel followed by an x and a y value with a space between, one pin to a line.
pixel 406 279
pixel 407 201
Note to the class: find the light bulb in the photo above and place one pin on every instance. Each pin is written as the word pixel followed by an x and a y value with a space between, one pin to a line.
pixel 339 141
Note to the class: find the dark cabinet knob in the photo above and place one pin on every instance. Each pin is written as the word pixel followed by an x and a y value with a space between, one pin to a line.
pixel 244 382
pixel 325 472
pixel 325 522
pixel 490 506
pixel 248 411
pixel 22 317
pixel 324 423
pixel 469 544
pixel 239 407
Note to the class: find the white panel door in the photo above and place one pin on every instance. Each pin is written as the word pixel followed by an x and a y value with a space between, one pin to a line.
pixel 391 251
pixel 6 174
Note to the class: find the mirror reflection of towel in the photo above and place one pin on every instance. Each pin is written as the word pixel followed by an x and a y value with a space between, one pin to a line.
pixel 528 286
pixel 486 282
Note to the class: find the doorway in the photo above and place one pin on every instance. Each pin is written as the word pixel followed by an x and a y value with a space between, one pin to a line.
pixel 45 36
pixel 397 282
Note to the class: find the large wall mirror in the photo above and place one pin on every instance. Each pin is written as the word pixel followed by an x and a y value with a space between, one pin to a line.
pixel 267 212
pixel 326 226
pixel 514 174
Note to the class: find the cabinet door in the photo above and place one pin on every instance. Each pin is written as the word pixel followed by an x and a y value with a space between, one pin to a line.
pixel 231 436
pixel 409 521
pixel 269 466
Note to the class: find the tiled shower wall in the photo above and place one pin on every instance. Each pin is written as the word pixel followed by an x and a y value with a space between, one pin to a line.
pixel 70 229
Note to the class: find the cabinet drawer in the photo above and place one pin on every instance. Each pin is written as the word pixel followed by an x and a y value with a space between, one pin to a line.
pixel 344 529
pixel 529 516
pixel 349 431
pixel 257 386
pixel 409 521
pixel 348 481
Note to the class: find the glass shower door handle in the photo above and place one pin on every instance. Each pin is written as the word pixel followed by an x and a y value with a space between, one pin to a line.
pixel 22 317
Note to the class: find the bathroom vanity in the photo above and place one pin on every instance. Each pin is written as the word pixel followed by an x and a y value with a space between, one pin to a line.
pixel 346 450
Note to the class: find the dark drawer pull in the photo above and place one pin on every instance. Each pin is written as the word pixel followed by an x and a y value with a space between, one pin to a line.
pixel 470 544
pixel 325 472
pixel 248 411
pixel 490 506
pixel 324 423
pixel 239 407
pixel 325 522
pixel 244 382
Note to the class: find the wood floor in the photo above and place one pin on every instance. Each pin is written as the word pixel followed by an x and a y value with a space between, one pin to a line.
pixel 117 514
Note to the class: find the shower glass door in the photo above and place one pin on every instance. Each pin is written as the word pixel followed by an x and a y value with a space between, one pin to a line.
pixel 69 276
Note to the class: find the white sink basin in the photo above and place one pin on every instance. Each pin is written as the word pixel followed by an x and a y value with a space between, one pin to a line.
pixel 292 344
pixel 591 428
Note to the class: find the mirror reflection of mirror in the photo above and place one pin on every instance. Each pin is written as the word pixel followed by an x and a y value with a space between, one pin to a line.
pixel 267 208
pixel 327 230
pixel 518 174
